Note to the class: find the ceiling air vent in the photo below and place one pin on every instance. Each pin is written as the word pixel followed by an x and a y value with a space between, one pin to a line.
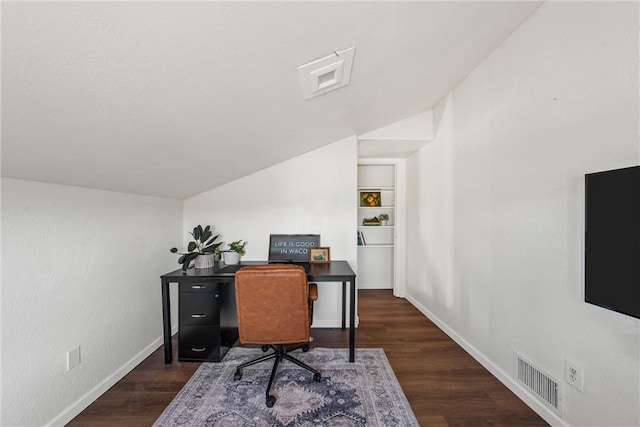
pixel 326 74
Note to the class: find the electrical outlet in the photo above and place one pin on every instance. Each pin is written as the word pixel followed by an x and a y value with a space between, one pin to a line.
pixel 73 358
pixel 574 375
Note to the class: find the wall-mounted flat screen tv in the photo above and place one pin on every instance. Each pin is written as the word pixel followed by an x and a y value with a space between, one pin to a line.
pixel 612 240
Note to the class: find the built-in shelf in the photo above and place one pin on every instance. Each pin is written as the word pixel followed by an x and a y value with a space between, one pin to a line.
pixel 376 188
pixel 376 243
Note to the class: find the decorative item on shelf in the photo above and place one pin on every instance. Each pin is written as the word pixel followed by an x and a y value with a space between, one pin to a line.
pixel 361 241
pixel 319 255
pixel 236 250
pixel 371 221
pixel 384 218
pixel 201 250
pixel 370 199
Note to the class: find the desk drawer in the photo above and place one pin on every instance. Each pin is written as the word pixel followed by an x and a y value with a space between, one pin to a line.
pixel 204 286
pixel 200 343
pixel 199 309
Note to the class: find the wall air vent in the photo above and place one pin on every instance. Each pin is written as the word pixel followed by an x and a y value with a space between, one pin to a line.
pixel 544 387
pixel 326 74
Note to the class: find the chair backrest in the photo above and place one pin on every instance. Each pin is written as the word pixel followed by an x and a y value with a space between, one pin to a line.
pixel 273 304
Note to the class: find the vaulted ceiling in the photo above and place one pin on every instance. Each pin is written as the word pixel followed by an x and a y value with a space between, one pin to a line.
pixel 175 98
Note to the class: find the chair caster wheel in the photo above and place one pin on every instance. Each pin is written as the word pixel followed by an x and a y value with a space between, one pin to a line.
pixel 271 400
pixel 317 377
pixel 305 348
pixel 237 376
pixel 265 348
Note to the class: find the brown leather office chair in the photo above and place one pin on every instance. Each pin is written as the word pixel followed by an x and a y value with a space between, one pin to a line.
pixel 274 304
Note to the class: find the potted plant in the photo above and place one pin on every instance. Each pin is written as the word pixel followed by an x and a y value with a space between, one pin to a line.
pixel 384 218
pixel 235 251
pixel 201 250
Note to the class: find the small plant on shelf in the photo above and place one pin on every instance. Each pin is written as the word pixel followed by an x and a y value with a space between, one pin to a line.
pixel 203 244
pixel 384 218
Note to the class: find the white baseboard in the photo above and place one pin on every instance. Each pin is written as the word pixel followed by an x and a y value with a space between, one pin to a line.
pixel 373 286
pixel 81 404
pixel 504 377
pixel 332 323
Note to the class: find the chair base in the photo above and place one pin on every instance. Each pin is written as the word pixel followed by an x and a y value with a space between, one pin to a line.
pixel 280 352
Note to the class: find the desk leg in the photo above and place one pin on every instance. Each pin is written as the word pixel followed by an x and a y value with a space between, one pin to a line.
pixel 344 305
pixel 166 322
pixel 352 321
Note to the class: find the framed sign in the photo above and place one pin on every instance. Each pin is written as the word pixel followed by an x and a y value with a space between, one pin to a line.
pixel 319 255
pixel 292 247
pixel 370 199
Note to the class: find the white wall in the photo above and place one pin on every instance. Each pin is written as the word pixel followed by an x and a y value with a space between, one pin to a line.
pixel 82 268
pixel 310 194
pixel 496 201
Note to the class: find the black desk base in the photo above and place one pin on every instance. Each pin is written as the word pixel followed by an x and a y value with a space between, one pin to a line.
pixel 335 271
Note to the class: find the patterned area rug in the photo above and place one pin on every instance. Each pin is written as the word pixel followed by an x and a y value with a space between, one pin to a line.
pixel 364 393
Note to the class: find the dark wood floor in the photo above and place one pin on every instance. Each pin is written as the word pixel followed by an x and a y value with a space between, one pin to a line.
pixel 444 385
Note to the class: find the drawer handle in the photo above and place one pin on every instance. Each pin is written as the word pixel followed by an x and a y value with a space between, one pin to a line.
pixel 198 315
pixel 199 350
pixel 198 286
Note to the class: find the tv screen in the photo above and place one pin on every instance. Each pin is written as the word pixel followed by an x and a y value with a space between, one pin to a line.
pixel 612 240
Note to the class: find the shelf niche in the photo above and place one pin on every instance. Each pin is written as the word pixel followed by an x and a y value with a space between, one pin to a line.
pixel 376 243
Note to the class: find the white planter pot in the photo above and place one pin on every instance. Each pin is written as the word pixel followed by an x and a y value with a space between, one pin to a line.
pixel 231 258
pixel 204 261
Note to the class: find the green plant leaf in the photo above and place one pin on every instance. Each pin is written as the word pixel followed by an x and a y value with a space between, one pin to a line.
pixel 210 241
pixel 237 246
pixel 186 259
pixel 211 248
pixel 203 243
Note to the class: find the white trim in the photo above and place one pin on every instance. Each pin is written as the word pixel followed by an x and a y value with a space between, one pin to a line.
pixel 83 403
pixel 399 271
pixel 332 324
pixel 505 378
pixel 92 395
pixel 400 284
